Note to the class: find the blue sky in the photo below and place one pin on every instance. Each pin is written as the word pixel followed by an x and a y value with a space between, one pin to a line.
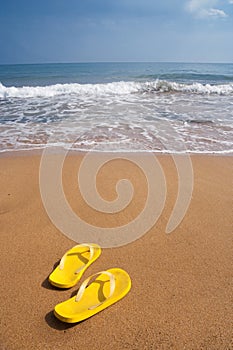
pixel 116 30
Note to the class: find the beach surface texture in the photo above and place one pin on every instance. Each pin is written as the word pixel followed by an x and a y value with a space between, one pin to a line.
pixel 181 296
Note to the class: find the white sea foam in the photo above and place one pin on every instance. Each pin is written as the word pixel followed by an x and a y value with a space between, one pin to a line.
pixel 115 88
pixel 125 116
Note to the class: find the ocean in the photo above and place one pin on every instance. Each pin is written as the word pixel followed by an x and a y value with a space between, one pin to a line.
pixel 159 107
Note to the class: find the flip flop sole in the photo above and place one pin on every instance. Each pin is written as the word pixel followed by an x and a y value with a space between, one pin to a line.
pixel 93 299
pixel 77 258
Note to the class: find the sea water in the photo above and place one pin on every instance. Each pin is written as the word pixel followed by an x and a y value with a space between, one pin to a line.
pixel 160 107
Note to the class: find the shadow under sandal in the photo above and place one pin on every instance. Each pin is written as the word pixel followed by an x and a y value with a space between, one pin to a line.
pixel 73 264
pixel 105 290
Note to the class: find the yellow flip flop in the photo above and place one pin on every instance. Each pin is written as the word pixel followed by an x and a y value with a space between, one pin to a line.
pixel 73 264
pixel 105 290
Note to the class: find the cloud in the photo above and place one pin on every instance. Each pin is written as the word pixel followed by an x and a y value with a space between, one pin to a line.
pixel 213 13
pixel 205 9
pixel 230 1
pixel 196 5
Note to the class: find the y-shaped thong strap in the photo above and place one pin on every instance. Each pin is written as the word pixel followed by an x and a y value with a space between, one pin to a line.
pixel 91 249
pixel 85 283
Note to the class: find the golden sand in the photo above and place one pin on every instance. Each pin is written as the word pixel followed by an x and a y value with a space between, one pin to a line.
pixel 181 296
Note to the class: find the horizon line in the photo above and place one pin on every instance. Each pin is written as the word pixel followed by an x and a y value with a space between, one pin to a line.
pixel 104 62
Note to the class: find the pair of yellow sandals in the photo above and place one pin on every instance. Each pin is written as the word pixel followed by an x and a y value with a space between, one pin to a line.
pixel 105 289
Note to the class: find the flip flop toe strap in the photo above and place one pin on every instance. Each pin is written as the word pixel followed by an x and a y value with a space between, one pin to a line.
pixel 91 249
pixel 85 283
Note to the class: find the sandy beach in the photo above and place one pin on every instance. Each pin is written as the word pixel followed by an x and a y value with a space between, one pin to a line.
pixel 181 296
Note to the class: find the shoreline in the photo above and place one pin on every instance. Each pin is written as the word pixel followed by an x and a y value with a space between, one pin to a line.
pixel 57 150
pixel 181 293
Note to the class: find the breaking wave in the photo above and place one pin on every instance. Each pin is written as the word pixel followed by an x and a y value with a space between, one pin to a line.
pixel 115 88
